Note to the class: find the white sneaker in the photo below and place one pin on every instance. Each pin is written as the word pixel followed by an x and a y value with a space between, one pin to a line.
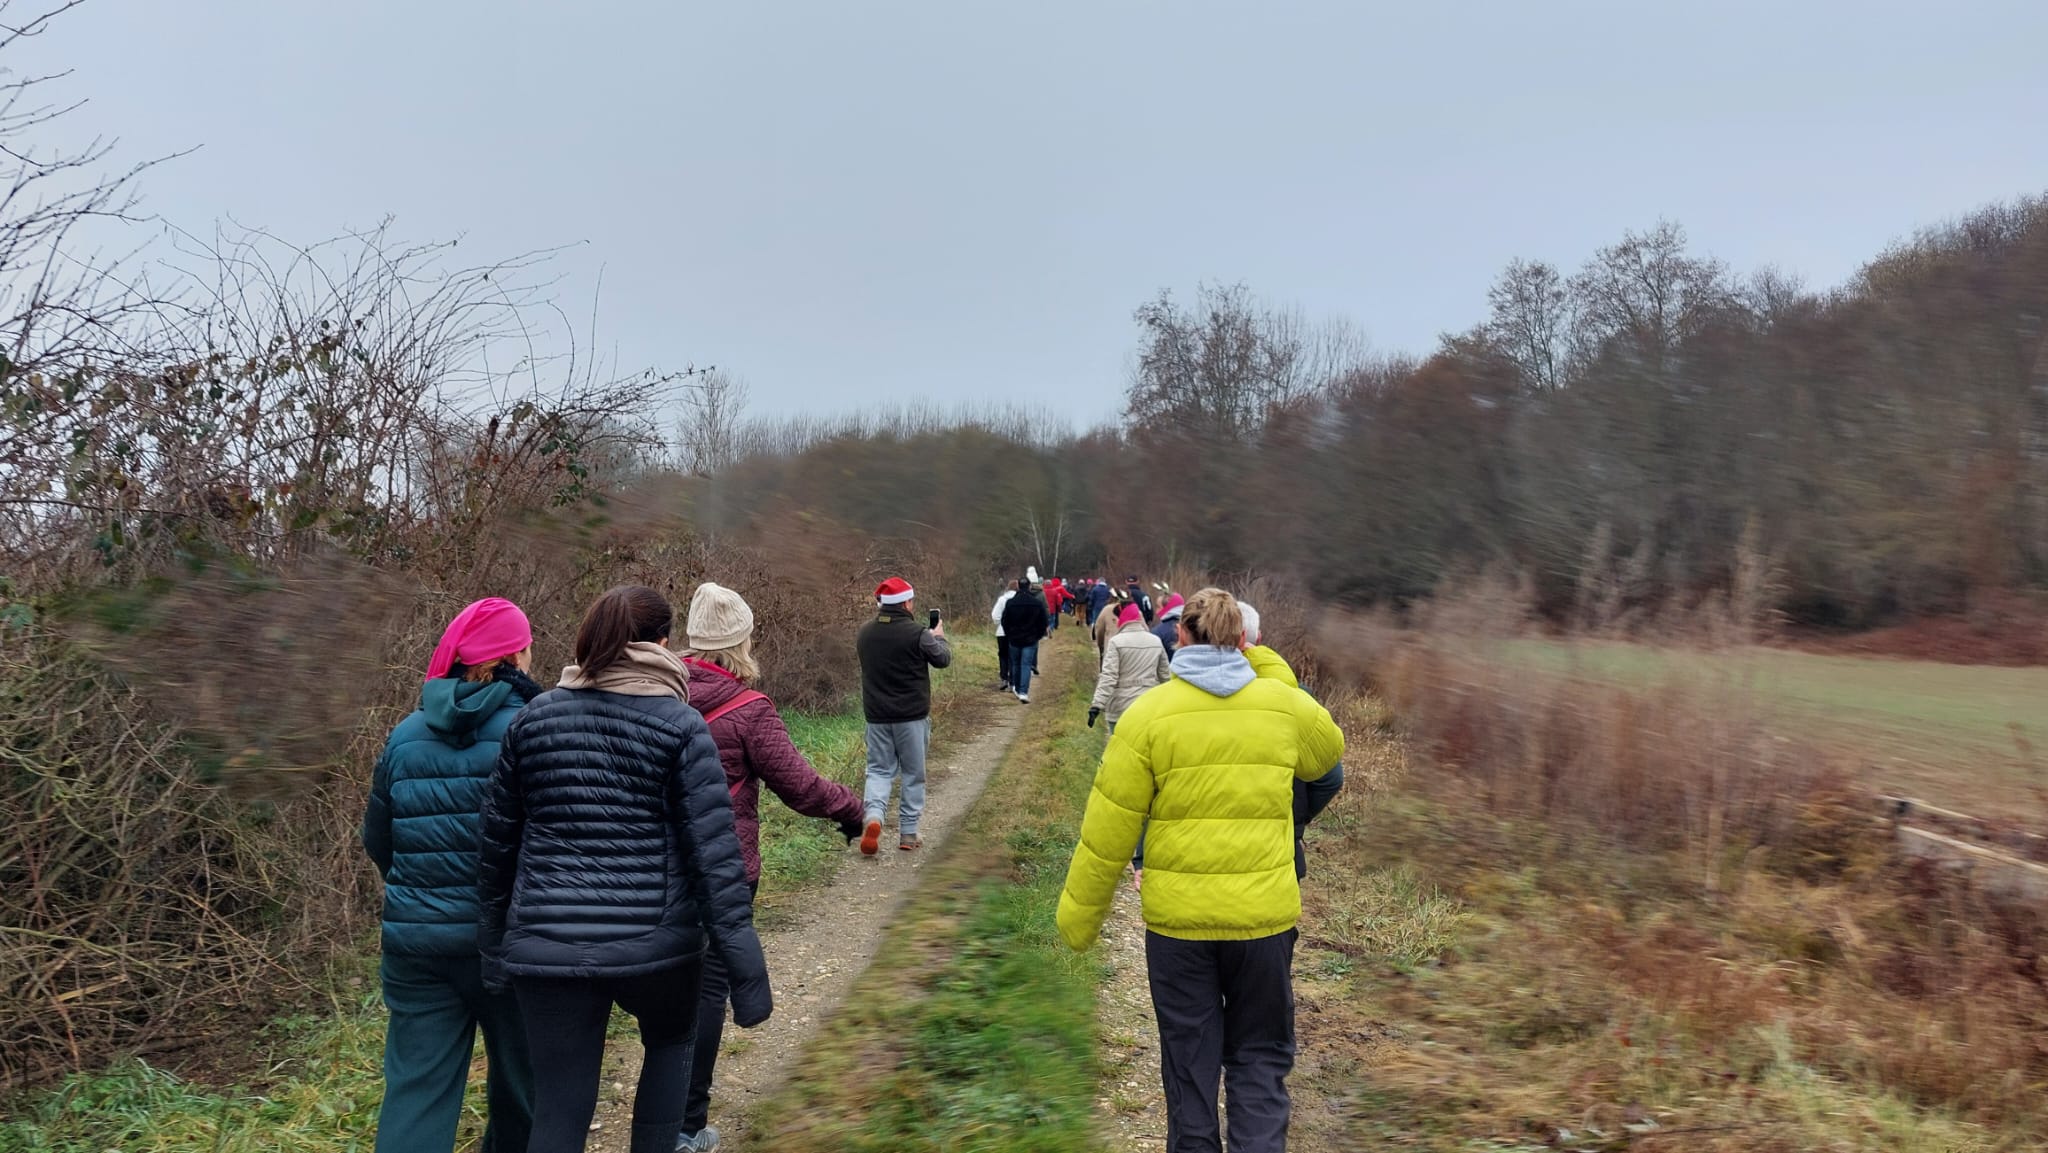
pixel 1022 699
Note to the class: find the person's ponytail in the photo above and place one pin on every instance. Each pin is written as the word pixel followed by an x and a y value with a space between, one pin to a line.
pixel 1212 618
pixel 621 617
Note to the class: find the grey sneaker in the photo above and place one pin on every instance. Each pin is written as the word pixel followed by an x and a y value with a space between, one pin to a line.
pixel 703 1141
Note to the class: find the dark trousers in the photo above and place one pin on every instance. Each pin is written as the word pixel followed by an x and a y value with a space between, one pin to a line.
pixel 710 1034
pixel 1003 660
pixel 437 1005
pixel 1225 1009
pixel 566 1019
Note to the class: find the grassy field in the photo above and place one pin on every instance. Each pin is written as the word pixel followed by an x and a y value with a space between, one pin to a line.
pixel 1960 735
pixel 1644 909
pixel 1468 983
pixel 323 1064
pixel 976 1031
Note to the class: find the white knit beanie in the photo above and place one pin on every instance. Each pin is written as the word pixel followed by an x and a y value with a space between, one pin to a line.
pixel 719 618
pixel 1251 622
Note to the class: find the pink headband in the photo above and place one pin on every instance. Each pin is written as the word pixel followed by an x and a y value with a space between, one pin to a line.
pixel 491 628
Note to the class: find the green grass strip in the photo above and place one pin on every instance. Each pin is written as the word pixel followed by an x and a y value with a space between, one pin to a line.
pixel 975 1027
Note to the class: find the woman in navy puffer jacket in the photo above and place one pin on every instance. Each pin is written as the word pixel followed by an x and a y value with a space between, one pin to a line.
pixel 609 857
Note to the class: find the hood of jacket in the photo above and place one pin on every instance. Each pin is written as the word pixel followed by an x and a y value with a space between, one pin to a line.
pixel 646 670
pixel 455 709
pixel 710 686
pixel 1217 671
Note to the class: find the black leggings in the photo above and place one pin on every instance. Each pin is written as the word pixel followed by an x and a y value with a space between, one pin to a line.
pixel 565 1023
pixel 711 1002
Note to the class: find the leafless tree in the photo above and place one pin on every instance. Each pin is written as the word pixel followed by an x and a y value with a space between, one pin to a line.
pixel 1530 322
pixel 1048 538
pixel 1648 291
pixel 60 312
pixel 1222 367
pixel 714 414
pixel 1772 293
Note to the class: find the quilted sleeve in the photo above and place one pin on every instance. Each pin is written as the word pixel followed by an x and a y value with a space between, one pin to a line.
pixel 1117 806
pixel 504 825
pixel 775 759
pixel 1322 742
pixel 377 818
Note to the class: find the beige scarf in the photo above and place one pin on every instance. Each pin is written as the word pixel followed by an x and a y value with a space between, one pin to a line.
pixel 646 670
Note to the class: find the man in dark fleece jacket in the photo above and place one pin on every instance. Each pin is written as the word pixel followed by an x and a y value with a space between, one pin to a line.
pixel 897 654
pixel 1025 623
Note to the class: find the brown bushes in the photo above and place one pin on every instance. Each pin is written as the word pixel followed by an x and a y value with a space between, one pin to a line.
pixel 225 566
pixel 135 900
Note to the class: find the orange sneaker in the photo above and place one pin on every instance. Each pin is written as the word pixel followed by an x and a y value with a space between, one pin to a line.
pixel 871 838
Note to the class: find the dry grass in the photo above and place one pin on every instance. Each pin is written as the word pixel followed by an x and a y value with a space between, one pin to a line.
pixel 1596 918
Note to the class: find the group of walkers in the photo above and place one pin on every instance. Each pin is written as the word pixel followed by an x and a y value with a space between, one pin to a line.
pixel 551 853
pixel 548 854
pixel 1207 785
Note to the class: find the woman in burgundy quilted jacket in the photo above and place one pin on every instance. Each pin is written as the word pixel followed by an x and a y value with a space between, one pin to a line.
pixel 756 749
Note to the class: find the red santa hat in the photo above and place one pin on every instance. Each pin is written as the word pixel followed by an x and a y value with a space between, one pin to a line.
pixel 894 591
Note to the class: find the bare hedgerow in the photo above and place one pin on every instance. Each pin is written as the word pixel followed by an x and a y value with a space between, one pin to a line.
pixel 241 494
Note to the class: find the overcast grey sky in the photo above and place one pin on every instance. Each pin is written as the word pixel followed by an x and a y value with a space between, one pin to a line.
pixel 846 202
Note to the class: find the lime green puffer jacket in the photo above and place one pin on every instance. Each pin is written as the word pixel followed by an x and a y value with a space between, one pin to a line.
pixel 1211 757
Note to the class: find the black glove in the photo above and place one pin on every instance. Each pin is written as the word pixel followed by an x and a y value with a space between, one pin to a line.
pixel 1092 714
pixel 752 1003
pixel 851 830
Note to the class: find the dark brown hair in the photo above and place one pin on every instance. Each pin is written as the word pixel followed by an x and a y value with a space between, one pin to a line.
pixel 620 617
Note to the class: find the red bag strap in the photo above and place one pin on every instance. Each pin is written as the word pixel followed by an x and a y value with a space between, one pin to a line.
pixel 744 697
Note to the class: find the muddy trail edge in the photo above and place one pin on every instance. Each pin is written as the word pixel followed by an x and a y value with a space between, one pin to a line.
pixel 827 939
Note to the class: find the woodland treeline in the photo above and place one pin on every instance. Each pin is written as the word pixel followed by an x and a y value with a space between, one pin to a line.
pixel 1642 432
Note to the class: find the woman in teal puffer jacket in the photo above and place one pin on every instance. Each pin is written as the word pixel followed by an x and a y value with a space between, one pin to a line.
pixel 422 829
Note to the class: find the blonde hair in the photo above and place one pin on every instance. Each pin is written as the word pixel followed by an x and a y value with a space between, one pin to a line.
pixel 1212 618
pixel 737 660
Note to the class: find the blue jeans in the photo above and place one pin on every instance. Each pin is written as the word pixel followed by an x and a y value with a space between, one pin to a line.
pixel 1023 657
pixel 897 750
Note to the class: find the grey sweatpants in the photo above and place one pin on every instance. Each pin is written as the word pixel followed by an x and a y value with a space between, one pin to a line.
pixel 1226 1013
pixel 897 750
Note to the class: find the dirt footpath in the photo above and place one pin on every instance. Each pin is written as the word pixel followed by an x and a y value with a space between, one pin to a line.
pixel 1132 1105
pixel 813 961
